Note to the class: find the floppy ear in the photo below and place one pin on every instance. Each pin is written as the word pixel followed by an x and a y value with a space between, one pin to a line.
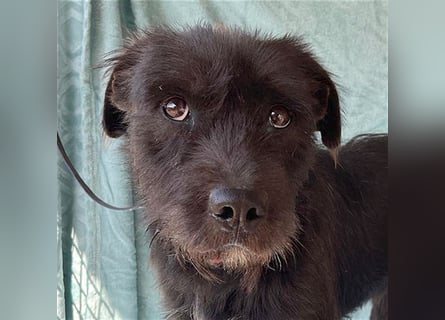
pixel 329 123
pixel 113 120
pixel 117 94
pixel 327 111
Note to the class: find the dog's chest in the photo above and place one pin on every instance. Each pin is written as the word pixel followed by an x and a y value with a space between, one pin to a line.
pixel 198 312
pixel 235 305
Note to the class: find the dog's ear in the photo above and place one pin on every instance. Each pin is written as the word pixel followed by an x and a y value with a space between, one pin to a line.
pixel 329 123
pixel 327 109
pixel 117 93
pixel 113 120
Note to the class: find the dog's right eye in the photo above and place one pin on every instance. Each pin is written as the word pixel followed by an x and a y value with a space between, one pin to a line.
pixel 176 109
pixel 279 117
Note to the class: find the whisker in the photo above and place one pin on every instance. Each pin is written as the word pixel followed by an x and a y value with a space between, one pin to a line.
pixel 155 235
pixel 204 272
pixel 301 245
pixel 278 260
pixel 270 267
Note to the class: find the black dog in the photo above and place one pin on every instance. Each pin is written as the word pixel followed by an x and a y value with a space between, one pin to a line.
pixel 250 219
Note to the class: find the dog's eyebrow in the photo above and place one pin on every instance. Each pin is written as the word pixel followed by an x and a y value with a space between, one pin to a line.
pixel 165 89
pixel 288 96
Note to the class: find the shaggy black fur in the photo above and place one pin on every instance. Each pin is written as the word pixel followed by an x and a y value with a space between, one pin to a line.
pixel 250 221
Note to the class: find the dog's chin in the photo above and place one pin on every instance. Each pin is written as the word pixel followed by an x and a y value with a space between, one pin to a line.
pixel 233 260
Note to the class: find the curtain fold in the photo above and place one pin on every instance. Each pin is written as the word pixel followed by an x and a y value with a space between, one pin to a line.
pixel 103 269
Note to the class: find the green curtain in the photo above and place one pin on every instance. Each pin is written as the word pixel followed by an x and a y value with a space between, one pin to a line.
pixel 103 269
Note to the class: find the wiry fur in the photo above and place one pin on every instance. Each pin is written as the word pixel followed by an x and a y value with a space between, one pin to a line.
pixel 321 249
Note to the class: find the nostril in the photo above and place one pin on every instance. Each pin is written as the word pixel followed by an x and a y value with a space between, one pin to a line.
pixel 225 213
pixel 235 208
pixel 252 214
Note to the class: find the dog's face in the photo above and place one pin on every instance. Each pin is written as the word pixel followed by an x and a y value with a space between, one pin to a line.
pixel 220 131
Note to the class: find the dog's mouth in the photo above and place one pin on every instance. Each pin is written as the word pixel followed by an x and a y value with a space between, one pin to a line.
pixel 227 252
pixel 216 261
pixel 234 257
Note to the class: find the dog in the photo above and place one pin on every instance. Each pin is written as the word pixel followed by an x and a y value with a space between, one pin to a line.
pixel 250 217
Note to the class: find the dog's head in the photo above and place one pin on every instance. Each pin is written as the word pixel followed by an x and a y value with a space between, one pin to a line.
pixel 220 127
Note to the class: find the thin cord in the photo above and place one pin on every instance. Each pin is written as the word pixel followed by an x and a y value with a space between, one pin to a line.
pixel 84 185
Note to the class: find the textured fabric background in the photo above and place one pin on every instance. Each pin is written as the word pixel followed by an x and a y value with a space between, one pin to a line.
pixel 103 270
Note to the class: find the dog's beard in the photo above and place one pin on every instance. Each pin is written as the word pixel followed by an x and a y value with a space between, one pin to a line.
pixel 234 261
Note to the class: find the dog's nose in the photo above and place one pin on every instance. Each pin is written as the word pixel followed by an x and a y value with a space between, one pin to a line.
pixel 236 207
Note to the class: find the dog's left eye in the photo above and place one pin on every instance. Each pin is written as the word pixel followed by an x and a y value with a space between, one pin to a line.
pixel 279 117
pixel 176 108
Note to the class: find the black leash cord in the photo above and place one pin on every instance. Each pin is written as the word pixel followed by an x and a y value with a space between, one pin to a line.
pixel 82 183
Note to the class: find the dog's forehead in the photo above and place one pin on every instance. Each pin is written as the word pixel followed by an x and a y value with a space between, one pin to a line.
pixel 203 45
pixel 209 62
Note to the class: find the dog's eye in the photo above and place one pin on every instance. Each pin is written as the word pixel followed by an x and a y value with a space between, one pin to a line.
pixel 279 117
pixel 176 109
